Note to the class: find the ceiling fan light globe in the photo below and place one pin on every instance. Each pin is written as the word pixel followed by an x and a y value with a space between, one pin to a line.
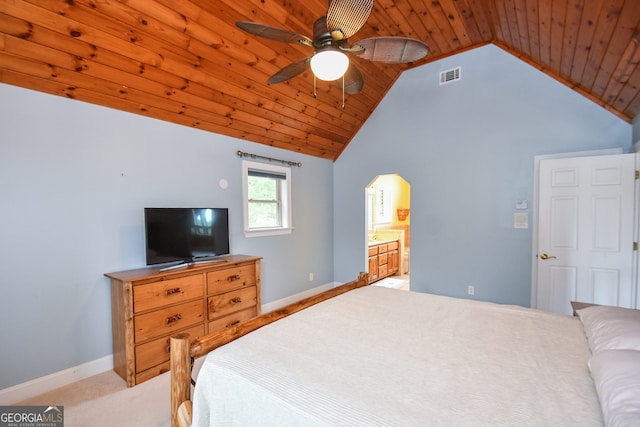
pixel 329 64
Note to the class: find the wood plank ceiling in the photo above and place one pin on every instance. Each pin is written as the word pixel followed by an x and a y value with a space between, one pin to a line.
pixel 184 61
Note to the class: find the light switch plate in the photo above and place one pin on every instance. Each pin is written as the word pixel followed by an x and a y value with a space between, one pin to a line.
pixel 520 220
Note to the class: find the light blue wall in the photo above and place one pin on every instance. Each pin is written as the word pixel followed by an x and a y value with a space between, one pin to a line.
pixel 74 179
pixel 467 149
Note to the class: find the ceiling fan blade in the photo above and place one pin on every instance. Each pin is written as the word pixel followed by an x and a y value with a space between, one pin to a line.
pixel 290 71
pixel 347 16
pixel 273 33
pixel 392 49
pixel 353 80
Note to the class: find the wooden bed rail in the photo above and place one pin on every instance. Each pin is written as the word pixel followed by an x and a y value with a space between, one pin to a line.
pixel 182 353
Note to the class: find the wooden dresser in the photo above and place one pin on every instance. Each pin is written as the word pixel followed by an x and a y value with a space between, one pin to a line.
pixel 149 305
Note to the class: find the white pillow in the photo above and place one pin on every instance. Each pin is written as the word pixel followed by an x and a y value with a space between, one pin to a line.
pixel 611 328
pixel 616 375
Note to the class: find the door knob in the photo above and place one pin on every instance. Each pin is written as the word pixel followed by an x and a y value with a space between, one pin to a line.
pixel 545 256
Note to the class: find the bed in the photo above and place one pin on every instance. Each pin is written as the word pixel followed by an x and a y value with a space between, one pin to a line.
pixel 374 356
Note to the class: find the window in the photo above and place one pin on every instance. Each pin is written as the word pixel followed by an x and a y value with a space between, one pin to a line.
pixel 267 199
pixel 384 211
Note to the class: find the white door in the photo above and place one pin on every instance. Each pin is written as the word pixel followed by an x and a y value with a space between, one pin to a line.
pixel 585 232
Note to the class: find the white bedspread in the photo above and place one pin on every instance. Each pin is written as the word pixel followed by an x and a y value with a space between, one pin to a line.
pixel 383 357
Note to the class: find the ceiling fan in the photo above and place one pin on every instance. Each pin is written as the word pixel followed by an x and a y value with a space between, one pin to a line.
pixel 329 61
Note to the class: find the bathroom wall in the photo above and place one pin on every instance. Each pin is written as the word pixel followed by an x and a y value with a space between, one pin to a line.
pixel 398 196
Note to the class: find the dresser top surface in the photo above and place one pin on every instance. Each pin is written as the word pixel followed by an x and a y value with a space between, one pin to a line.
pixel 218 263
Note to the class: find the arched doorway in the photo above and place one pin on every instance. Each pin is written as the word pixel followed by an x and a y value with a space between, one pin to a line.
pixel 388 231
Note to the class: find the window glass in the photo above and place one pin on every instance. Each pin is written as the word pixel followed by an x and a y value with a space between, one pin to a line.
pixel 267 190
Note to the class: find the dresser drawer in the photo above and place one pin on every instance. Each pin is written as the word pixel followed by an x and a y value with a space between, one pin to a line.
pixel 382 270
pixel 382 259
pixel 152 372
pixel 167 320
pixel 158 294
pixel 382 248
pixel 230 302
pixel 232 319
pixel 230 278
pixel 392 246
pixel 373 250
pixel 157 351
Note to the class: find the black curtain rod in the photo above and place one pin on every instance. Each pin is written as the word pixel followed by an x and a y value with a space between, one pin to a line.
pixel 255 156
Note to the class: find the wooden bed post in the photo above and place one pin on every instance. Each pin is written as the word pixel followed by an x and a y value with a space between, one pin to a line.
pixel 180 374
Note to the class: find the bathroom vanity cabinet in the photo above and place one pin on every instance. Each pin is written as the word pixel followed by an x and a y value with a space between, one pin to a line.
pixel 383 260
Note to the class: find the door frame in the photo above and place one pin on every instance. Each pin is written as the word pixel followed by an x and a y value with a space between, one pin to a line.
pixel 534 211
pixel 401 251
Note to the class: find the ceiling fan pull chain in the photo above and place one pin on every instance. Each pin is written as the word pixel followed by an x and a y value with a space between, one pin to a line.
pixel 343 91
pixel 315 93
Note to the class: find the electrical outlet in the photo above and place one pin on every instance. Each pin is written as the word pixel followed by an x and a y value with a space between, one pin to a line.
pixel 311 277
pixel 471 290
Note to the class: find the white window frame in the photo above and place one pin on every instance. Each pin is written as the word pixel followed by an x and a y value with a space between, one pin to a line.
pixel 287 215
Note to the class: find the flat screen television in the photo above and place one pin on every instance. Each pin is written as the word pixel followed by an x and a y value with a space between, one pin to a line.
pixel 185 234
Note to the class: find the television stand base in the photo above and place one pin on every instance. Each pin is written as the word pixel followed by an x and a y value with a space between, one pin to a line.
pixel 189 264
pixel 174 267
pixel 205 261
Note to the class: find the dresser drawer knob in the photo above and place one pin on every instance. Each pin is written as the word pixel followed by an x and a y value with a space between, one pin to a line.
pixel 236 300
pixel 170 292
pixel 233 278
pixel 173 319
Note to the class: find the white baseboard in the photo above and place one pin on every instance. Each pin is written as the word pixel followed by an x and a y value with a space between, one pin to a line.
pixel 274 305
pixel 35 387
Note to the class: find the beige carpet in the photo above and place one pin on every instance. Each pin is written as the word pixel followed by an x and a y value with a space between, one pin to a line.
pixel 105 401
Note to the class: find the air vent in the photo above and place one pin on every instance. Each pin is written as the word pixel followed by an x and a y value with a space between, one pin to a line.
pixel 449 76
